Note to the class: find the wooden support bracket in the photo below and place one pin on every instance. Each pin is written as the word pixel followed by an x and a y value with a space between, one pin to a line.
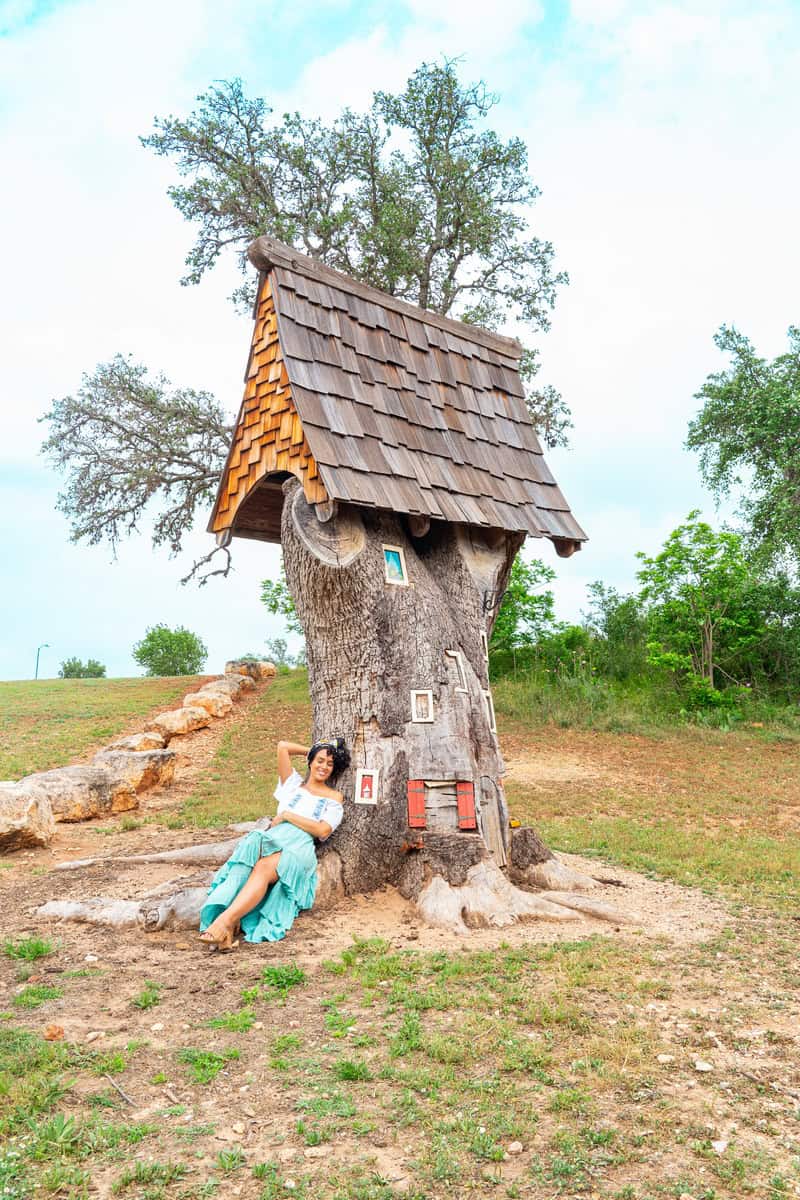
pixel 418 525
pixel 326 510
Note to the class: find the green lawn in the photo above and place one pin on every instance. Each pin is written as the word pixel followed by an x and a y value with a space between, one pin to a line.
pixel 51 722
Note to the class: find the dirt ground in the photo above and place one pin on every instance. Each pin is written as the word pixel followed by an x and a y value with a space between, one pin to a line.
pixel 748 1023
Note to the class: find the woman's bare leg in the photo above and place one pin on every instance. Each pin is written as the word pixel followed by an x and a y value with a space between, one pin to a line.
pixel 262 876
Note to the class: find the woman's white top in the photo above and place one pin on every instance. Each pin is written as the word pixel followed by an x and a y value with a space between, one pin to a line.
pixel 292 795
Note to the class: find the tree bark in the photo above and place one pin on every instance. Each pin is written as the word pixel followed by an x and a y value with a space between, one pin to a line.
pixel 370 643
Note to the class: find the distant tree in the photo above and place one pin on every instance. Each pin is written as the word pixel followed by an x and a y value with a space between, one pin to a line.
pixel 618 626
pixel 415 196
pixel 165 651
pixel 748 437
pixel 527 611
pixel 73 668
pixel 701 607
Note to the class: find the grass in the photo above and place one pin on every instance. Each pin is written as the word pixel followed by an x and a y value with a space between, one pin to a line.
pixel 35 995
pixel 205 1065
pixel 426 1066
pixel 28 949
pixel 238 784
pixel 149 996
pixel 50 722
pixel 584 701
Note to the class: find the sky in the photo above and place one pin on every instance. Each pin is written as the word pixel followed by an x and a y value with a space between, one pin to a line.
pixel 663 136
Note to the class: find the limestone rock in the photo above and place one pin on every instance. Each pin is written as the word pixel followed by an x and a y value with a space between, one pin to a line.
pixel 142 769
pixel 216 704
pixel 152 740
pixel 256 668
pixel 78 793
pixel 180 721
pixel 26 818
pixel 231 684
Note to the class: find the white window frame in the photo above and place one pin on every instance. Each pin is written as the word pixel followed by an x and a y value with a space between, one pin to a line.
pixel 395 582
pixel 489 702
pixel 462 675
pixel 374 774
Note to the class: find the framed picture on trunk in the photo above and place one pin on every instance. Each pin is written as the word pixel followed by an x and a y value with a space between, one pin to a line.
pixel 366 786
pixel 394 565
pixel 422 706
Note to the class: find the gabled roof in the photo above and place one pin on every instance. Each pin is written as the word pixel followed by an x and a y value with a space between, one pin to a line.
pixel 399 409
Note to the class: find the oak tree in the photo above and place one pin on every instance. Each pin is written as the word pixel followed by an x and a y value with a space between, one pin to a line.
pixel 416 196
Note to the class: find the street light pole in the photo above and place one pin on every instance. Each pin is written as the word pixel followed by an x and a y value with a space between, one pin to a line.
pixel 44 646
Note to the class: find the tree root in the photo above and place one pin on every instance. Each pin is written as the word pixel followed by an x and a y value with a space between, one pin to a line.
pixel 488 900
pixel 485 899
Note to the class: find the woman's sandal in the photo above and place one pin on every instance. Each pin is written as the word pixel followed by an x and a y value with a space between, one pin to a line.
pixel 225 943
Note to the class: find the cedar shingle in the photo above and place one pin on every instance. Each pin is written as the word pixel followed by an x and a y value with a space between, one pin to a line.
pixel 400 408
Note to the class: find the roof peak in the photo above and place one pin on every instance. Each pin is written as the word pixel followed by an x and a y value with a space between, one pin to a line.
pixel 267 252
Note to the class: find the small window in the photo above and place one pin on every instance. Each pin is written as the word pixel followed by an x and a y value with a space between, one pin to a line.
pixel 366 786
pixel 487 697
pixel 461 686
pixel 394 565
pixel 422 707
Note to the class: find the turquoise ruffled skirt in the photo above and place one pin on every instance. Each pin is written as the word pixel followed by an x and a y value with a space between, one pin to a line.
pixel 293 890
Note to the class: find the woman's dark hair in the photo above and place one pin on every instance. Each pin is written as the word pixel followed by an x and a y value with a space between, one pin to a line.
pixel 338 751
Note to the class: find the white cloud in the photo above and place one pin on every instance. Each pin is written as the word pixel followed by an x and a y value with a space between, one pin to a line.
pixel 663 135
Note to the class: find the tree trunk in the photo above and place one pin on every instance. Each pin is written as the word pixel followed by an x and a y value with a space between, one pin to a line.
pixel 370 643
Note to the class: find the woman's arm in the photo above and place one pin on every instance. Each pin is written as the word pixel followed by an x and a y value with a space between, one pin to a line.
pixel 285 752
pixel 317 829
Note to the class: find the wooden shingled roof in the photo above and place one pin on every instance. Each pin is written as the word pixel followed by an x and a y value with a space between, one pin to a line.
pixel 371 401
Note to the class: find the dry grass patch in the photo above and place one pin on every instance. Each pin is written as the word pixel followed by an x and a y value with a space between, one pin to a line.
pixel 52 722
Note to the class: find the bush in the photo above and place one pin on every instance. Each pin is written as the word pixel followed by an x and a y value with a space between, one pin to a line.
pixel 73 668
pixel 165 651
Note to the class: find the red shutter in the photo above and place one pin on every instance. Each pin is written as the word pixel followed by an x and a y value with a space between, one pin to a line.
pixel 416 803
pixel 465 803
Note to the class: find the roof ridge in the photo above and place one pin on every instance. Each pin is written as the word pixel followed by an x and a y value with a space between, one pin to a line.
pixel 267 252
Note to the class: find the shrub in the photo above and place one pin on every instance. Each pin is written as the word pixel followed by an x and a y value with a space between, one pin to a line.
pixel 165 651
pixel 73 668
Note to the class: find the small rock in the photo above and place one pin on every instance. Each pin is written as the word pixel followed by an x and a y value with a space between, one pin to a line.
pixel 720 1146
pixel 287 1153
pixel 90 958
pixel 664 1059
pixel 700 1065
pixel 159 1025
pixel 238 1127
pixel 249 1112
pixel 686 1196
pixel 226 1135
pixel 289 1184
pixel 317 1151
pixel 258 1025
pixel 95 1034
pixel 515 1148
pixel 53 1033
